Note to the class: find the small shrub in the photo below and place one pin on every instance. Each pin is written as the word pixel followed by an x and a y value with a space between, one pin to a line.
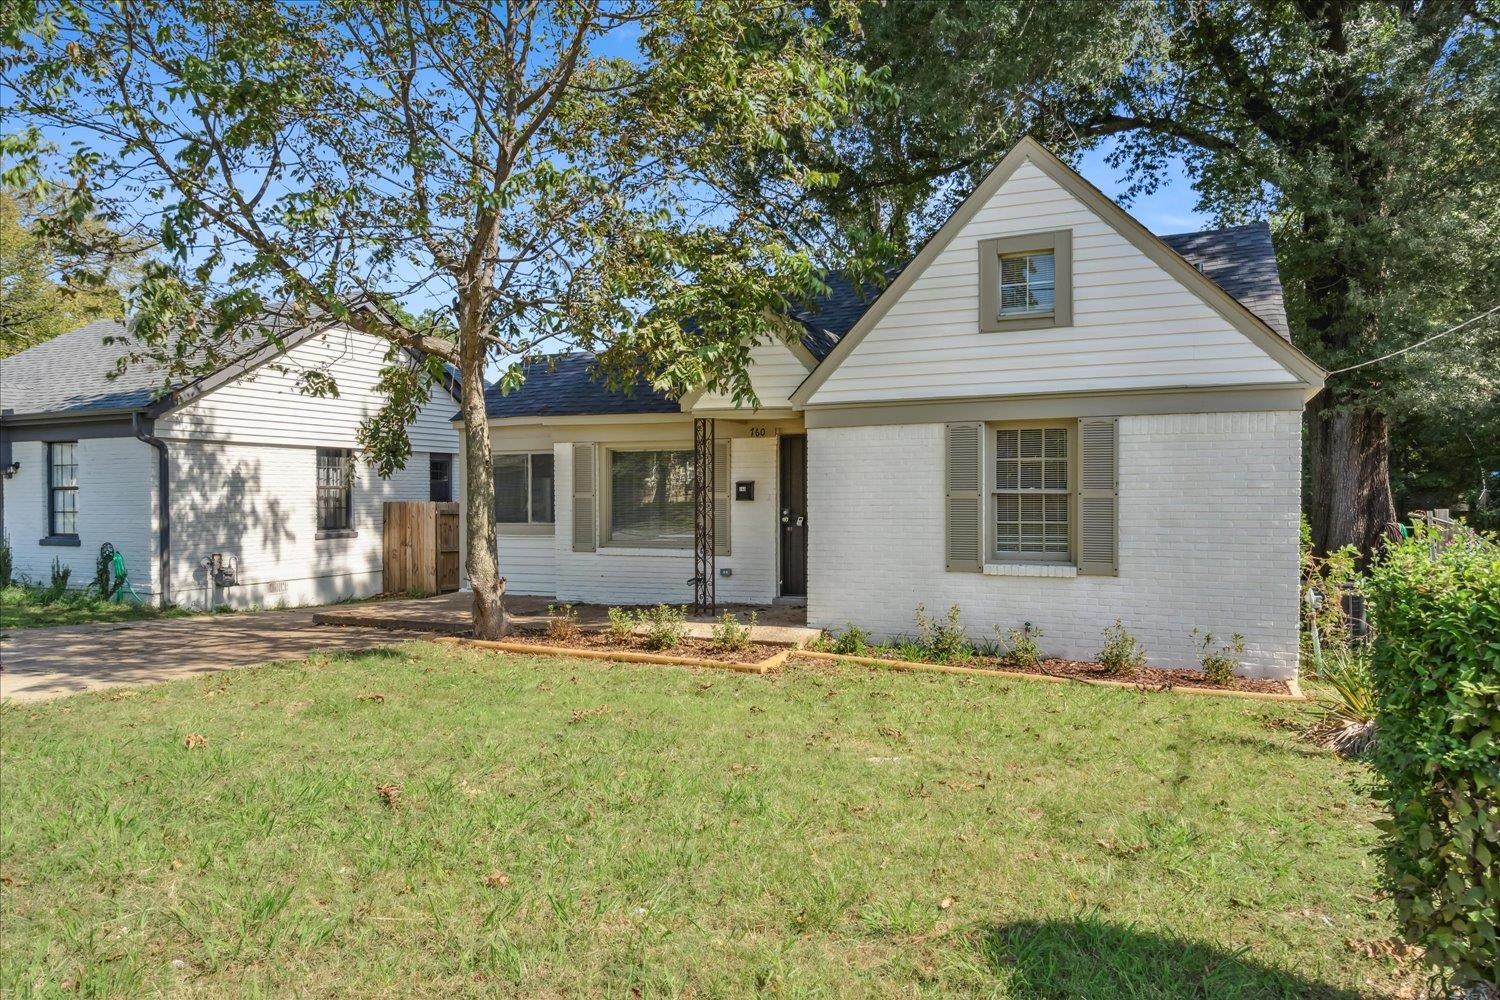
pixel 1122 652
pixel 59 584
pixel 665 626
pixel 562 623
pixel 7 562
pixel 729 635
pixel 1019 645
pixel 943 640
pixel 1221 663
pixel 853 641
pixel 1327 578
pixel 1344 708
pixel 621 625
pixel 1436 606
pixel 906 648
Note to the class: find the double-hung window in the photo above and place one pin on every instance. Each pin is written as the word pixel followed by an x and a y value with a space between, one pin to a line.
pixel 651 498
pixel 1032 493
pixel 1026 282
pixel 335 489
pixel 62 488
pixel 523 489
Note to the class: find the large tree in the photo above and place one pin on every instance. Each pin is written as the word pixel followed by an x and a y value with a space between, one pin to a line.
pixel 1365 130
pixel 522 175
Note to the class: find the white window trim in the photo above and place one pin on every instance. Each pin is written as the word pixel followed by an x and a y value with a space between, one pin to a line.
pixel 605 493
pixel 529 526
pixel 998 563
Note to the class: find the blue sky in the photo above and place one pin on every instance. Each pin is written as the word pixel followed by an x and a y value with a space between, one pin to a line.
pixel 1169 210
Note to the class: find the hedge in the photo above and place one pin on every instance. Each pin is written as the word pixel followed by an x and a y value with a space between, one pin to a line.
pixel 1435 603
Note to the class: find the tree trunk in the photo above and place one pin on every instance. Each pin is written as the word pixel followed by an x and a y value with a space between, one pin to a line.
pixel 490 621
pixel 1348 452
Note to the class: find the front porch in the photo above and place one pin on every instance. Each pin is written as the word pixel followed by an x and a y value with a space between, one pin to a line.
pixel 449 614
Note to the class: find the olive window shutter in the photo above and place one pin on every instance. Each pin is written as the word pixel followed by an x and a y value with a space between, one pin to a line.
pixel 964 497
pixel 1099 496
pixel 585 518
pixel 721 497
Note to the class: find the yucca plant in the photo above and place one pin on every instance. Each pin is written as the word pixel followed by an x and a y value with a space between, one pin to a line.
pixel 1344 710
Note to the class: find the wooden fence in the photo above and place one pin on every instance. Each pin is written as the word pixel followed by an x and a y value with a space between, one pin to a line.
pixel 420 547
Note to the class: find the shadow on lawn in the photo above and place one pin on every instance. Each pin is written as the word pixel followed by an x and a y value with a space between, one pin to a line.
pixel 1091 958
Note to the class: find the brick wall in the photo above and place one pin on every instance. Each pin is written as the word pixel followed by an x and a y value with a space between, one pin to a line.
pixel 1208 539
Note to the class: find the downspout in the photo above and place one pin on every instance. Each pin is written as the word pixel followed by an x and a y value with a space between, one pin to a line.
pixel 143 426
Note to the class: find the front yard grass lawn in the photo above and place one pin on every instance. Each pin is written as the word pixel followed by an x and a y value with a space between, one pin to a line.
pixel 24 607
pixel 562 827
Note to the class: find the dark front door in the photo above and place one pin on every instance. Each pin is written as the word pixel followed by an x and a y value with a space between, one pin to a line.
pixel 793 515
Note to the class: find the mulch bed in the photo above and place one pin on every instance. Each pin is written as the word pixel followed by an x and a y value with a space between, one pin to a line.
pixel 704 649
pixel 1150 678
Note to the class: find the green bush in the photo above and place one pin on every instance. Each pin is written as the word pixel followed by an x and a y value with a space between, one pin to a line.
pixel 7 562
pixel 1220 663
pixel 853 641
pixel 943 640
pixel 729 635
pixel 1344 703
pixel 1020 648
pixel 621 624
pixel 1436 672
pixel 59 584
pixel 1122 652
pixel 1329 577
pixel 665 626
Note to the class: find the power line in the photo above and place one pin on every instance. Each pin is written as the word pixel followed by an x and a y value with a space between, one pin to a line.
pixel 1412 347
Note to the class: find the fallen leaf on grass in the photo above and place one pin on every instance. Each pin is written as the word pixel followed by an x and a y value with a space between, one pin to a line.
pixel 496 880
pixel 743 768
pixel 1393 948
pixel 756 710
pixel 195 741
pixel 390 795
pixel 891 733
pixel 376 698
pixel 579 714
pixel 946 904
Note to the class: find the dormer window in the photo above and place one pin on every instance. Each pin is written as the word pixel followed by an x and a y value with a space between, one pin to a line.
pixel 1025 282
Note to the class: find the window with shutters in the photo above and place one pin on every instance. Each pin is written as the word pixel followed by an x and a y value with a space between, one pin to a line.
pixel 1032 493
pixel 523 489
pixel 650 498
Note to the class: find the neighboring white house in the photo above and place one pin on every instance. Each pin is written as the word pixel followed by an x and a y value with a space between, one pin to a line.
pixel 268 500
pixel 1050 416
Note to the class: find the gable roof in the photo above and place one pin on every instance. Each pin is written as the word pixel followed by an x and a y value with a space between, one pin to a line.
pixel 564 385
pixel 1237 313
pixel 76 376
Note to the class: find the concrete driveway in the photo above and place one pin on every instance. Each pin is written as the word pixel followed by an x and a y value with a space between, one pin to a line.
pixel 48 662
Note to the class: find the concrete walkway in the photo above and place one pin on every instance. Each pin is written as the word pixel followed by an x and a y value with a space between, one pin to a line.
pixel 48 662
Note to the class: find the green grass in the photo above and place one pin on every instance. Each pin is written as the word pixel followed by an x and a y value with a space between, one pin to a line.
pixel 674 831
pixel 26 607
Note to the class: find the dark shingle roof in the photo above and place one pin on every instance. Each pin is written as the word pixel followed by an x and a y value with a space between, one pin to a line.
pixel 563 385
pixel 1242 261
pixel 1239 259
pixel 69 375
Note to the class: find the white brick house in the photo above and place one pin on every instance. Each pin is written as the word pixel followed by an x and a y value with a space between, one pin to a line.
pixel 262 481
pixel 1049 416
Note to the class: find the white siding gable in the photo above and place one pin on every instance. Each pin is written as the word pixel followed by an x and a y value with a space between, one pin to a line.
pixel 775 373
pixel 265 406
pixel 1134 325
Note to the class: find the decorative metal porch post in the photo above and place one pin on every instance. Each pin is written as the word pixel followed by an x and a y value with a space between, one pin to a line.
pixel 704 601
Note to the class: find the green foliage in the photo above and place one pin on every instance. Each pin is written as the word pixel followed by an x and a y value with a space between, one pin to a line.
pixel 1436 672
pixel 729 635
pixel 943 640
pixel 1019 645
pixel 1220 662
pixel 7 562
pixel 665 626
pixel 562 623
pixel 852 641
pixel 1327 579
pixel 1344 703
pixel 59 584
pixel 621 624
pixel 1122 653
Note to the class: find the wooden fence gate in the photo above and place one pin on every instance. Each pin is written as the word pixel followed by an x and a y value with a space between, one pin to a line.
pixel 420 547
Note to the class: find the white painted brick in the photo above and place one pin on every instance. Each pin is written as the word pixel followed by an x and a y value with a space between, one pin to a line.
pixel 1208 539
